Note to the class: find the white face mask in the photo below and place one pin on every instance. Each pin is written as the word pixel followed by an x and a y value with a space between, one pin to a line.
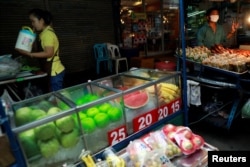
pixel 214 18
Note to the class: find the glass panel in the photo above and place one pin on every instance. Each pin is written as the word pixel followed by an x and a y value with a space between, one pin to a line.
pixel 151 25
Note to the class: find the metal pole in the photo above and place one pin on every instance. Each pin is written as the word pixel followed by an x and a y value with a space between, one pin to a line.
pixel 184 75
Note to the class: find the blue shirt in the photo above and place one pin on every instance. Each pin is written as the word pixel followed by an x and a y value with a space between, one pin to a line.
pixel 207 37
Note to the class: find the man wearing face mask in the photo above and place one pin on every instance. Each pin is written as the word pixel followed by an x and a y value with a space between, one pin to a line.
pixel 211 33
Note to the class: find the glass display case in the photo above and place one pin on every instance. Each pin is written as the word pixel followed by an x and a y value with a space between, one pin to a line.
pixel 166 87
pixel 100 111
pixel 46 131
pixel 54 128
pixel 148 96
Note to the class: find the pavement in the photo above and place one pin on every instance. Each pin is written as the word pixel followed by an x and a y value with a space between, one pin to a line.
pixel 236 138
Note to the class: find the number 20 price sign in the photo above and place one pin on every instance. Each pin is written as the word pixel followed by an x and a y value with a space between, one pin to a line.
pixel 144 120
pixel 151 117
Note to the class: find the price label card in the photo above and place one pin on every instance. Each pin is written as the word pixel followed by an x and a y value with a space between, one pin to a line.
pixel 169 108
pixel 117 135
pixel 145 120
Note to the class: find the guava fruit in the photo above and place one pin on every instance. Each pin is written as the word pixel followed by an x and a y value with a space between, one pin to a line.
pixel 44 105
pixel 53 110
pixel 22 115
pixel 45 131
pixel 37 113
pixel 70 139
pixel 49 147
pixel 28 142
pixel 65 124
pixel 63 105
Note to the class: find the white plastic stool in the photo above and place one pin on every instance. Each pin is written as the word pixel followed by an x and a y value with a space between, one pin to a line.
pixel 116 56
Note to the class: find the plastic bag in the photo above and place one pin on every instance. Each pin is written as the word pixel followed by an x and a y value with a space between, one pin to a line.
pixel 245 110
pixel 7 102
pixel 142 156
pixel 8 67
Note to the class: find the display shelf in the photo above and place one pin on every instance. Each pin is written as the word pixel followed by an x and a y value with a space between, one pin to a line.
pixel 223 79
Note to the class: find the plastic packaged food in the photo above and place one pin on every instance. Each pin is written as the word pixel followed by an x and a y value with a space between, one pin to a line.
pixel 142 156
pixel 157 140
pixel 188 141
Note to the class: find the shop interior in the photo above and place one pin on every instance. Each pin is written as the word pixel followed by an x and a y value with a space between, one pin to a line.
pixel 156 78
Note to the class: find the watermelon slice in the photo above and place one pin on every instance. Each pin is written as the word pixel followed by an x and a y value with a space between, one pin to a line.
pixel 136 99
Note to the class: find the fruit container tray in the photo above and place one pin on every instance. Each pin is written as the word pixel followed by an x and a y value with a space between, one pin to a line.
pixel 167 88
pixel 46 130
pixel 100 112
pixel 139 103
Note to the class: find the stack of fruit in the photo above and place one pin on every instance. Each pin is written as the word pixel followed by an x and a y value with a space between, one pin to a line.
pixel 184 138
pixel 158 141
pixel 45 139
pixel 140 155
pixel 167 92
pixel 98 116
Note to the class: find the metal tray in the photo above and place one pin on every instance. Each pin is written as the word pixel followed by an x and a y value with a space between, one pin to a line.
pixel 218 69
pixel 226 71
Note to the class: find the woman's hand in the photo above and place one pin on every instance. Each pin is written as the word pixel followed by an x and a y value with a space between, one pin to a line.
pixel 23 52
pixel 234 27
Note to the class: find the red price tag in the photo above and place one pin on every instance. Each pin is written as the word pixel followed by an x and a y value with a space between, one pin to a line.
pixel 117 135
pixel 169 108
pixel 145 120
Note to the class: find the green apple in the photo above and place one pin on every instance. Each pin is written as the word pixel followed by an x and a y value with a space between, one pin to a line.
pixel 53 110
pixel 91 112
pixel 80 101
pixel 115 114
pixel 88 124
pixel 101 119
pixel 82 115
pixel 93 98
pixel 104 107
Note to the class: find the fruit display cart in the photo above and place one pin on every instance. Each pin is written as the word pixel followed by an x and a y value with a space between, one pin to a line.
pixel 111 111
pixel 52 129
pixel 48 129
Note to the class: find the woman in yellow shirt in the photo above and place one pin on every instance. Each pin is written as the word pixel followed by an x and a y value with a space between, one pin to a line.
pixel 48 48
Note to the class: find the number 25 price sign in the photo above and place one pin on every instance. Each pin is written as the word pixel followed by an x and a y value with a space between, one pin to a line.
pixel 117 135
pixel 169 108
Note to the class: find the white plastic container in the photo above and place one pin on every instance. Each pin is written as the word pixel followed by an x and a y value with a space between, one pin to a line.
pixel 25 39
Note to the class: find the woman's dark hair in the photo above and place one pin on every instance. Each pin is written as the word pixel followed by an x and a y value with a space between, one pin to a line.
pixel 42 14
pixel 209 11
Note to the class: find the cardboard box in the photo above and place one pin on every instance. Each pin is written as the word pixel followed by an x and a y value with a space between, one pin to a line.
pixel 6 156
pixel 245 47
pixel 142 62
